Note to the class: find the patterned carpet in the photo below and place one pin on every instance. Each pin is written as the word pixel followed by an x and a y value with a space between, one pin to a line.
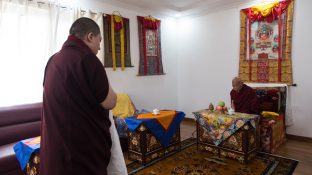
pixel 189 161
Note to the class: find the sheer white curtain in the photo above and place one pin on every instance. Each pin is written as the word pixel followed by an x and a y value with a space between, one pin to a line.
pixel 23 49
pixel 60 20
pixel 30 32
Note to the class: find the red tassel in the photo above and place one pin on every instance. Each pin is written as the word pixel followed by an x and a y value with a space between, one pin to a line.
pixel 279 43
pixel 158 56
pixel 144 46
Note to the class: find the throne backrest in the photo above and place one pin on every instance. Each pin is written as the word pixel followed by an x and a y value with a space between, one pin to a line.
pixel 271 99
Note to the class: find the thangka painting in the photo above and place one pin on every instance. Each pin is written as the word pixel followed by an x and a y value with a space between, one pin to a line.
pixel 265 43
pixel 150 46
pixel 116 42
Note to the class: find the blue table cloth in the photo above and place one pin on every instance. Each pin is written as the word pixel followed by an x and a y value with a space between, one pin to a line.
pixel 23 150
pixel 164 136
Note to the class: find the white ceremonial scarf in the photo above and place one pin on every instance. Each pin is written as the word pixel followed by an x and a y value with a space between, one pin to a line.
pixel 117 165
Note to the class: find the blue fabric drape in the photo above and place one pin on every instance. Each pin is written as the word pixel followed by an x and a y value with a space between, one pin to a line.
pixel 164 136
pixel 23 151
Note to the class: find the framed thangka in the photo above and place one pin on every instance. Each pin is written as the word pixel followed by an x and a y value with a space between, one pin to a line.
pixel 265 43
pixel 116 42
pixel 150 46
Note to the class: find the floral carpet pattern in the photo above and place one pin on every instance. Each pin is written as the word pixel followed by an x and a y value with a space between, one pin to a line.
pixel 189 161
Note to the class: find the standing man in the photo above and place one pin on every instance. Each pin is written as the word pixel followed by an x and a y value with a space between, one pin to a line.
pixel 77 97
pixel 244 98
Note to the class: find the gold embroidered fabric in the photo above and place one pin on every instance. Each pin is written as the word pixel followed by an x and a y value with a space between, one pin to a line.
pixel 264 68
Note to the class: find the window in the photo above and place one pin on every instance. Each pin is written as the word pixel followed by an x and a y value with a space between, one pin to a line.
pixel 29 34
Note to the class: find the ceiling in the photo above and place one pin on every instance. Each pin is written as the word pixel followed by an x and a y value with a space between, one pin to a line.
pixel 180 8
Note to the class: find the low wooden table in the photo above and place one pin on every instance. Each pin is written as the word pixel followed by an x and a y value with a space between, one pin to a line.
pixel 149 140
pixel 32 167
pixel 144 147
pixel 234 136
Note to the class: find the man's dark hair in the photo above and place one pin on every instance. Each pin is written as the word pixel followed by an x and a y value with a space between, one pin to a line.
pixel 83 26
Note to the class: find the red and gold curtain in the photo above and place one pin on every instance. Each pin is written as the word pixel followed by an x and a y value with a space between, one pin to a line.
pixel 265 43
pixel 150 46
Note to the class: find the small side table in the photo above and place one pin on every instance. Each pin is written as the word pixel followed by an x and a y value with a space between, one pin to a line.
pixel 234 136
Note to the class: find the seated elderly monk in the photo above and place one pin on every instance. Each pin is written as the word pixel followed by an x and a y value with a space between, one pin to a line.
pixel 244 98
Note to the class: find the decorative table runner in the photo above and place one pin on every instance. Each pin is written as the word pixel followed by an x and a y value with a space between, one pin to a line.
pixel 222 126
pixel 24 149
pixel 162 126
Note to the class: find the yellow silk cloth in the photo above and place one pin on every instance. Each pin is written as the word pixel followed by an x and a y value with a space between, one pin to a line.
pixel 264 9
pixel 124 107
pixel 269 114
pixel 164 117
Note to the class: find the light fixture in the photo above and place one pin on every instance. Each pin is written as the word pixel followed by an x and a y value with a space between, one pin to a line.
pixel 177 15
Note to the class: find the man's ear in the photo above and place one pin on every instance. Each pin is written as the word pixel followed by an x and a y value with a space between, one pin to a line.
pixel 89 37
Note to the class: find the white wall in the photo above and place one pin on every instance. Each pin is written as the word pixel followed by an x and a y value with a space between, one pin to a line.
pixel 200 57
pixel 301 96
pixel 147 92
pixel 209 54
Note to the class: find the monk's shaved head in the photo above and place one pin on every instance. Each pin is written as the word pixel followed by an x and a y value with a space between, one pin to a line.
pixel 236 80
pixel 237 84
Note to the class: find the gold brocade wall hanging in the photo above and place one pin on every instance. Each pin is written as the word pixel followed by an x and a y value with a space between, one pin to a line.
pixel 150 46
pixel 117 42
pixel 265 43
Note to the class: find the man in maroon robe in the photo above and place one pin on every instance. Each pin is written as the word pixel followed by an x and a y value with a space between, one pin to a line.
pixel 244 98
pixel 77 97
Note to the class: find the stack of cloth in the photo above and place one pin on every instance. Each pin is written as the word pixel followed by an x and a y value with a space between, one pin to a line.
pixel 272 131
pixel 124 108
pixel 268 116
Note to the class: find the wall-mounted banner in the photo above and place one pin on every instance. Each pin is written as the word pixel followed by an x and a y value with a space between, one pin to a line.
pixel 150 46
pixel 265 43
pixel 116 42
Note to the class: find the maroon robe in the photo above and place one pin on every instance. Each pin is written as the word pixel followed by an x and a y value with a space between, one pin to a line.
pixel 75 137
pixel 245 101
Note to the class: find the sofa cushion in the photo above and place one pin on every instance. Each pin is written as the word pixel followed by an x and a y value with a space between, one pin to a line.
pixel 14 133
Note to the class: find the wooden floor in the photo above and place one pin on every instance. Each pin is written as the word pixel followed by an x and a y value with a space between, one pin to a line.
pixel 299 150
